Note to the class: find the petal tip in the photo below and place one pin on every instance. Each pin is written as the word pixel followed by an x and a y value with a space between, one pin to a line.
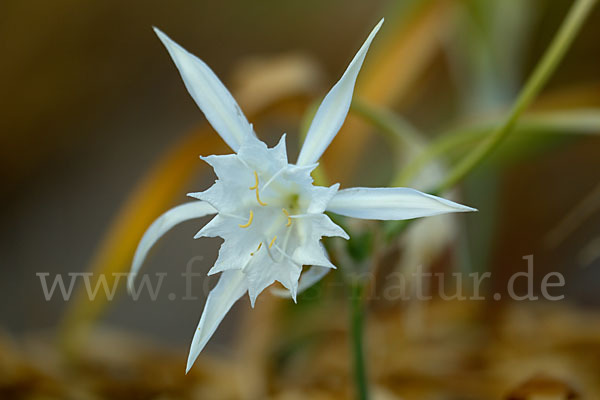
pixel 253 296
pixel 161 35
pixel 192 356
pixel 189 365
pixel 462 208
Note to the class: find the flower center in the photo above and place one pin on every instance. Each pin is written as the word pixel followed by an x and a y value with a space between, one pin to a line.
pixel 291 203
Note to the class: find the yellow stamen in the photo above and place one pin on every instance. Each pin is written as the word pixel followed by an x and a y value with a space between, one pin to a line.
pixel 272 241
pixel 287 214
pixel 259 246
pixel 255 187
pixel 258 199
pixel 255 182
pixel 247 224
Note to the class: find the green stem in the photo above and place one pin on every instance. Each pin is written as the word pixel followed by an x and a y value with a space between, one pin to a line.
pixel 577 121
pixel 357 317
pixel 561 42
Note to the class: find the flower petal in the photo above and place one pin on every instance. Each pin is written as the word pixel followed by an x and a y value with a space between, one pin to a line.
pixel 226 166
pixel 390 204
pixel 229 289
pixel 227 195
pixel 312 252
pixel 268 266
pixel 235 252
pixel 321 196
pixel 333 110
pixel 315 226
pixel 164 223
pixel 257 156
pixel 213 98
pixel 313 275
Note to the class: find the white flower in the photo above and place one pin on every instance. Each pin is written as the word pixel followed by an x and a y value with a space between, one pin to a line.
pixel 268 211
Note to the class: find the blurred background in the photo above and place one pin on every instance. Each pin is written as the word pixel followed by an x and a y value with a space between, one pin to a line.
pixel 93 101
pixel 98 136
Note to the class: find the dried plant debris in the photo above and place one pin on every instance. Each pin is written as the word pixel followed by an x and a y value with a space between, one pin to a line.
pixel 543 387
pixel 532 352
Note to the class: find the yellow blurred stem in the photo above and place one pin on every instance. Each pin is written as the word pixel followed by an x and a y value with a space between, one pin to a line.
pixel 151 197
pixel 404 50
pixel 387 77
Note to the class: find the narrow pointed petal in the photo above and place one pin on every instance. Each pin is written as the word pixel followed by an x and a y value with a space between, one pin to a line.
pixel 164 223
pixel 313 275
pixel 213 98
pixel 333 110
pixel 391 204
pixel 229 289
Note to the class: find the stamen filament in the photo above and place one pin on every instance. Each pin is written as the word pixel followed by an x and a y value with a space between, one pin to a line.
pixel 247 224
pixel 286 239
pixel 286 256
pixel 287 214
pixel 232 216
pixel 271 256
pixel 298 216
pixel 272 241
pixel 257 249
pixel 273 177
